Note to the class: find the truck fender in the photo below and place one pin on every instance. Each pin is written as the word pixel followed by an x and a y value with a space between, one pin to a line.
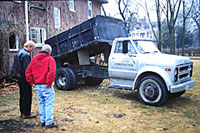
pixel 155 70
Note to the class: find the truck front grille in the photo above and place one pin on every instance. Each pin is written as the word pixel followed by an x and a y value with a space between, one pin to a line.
pixel 185 68
pixel 184 72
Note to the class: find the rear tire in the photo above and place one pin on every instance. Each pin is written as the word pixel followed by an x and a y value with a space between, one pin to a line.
pixel 65 79
pixel 152 91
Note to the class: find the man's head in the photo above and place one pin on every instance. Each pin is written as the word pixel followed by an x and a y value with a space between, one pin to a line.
pixel 29 46
pixel 47 48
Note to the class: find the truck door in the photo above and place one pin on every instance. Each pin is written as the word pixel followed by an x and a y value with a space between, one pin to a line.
pixel 123 61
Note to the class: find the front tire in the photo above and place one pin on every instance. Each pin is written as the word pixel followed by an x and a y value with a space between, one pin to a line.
pixel 65 79
pixel 152 91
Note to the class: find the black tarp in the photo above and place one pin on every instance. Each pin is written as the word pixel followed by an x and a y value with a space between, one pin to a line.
pixel 92 34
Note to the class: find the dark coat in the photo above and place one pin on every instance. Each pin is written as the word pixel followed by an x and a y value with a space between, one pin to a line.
pixel 21 62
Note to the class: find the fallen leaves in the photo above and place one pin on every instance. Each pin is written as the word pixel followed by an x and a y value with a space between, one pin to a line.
pixel 8 90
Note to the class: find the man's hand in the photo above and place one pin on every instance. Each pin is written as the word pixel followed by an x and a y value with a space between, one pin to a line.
pixel 33 85
pixel 48 86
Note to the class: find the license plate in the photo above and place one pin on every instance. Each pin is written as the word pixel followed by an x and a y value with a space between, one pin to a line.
pixel 187 87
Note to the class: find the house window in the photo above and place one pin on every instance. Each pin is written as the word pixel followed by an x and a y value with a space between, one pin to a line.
pixel 151 36
pixel 71 5
pixel 13 42
pixel 38 35
pixel 147 34
pixel 142 35
pixel 57 17
pixel 89 9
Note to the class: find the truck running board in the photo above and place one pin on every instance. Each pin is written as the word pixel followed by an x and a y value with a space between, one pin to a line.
pixel 120 87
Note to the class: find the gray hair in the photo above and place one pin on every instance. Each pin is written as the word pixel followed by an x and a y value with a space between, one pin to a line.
pixel 30 43
pixel 46 48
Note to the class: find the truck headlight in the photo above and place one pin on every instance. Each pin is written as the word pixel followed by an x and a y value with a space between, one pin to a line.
pixel 176 74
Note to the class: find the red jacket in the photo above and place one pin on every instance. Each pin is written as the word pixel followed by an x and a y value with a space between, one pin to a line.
pixel 41 70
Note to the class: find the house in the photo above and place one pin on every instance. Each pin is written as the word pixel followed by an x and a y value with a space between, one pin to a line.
pixel 38 20
pixel 142 29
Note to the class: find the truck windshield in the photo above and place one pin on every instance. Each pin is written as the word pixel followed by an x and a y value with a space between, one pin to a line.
pixel 146 46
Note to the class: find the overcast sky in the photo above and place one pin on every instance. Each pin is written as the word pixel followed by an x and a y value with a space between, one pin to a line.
pixel 112 9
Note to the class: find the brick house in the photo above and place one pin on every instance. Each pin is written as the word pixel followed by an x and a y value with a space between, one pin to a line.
pixel 37 21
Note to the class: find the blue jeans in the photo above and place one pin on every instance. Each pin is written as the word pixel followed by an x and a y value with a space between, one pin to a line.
pixel 46 98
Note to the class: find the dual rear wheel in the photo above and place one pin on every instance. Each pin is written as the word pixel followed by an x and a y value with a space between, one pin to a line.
pixel 66 79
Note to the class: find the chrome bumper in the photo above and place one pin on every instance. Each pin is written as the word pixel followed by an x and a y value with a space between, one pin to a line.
pixel 182 86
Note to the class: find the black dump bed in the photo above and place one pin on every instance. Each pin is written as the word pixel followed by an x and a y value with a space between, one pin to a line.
pixel 91 35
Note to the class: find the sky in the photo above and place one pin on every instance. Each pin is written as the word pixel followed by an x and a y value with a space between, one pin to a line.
pixel 111 9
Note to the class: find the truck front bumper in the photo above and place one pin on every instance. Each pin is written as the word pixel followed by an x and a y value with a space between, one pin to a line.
pixel 182 86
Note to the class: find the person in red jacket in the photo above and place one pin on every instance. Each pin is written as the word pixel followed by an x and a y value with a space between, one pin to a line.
pixel 41 74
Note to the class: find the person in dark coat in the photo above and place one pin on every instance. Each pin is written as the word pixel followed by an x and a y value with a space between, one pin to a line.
pixel 20 64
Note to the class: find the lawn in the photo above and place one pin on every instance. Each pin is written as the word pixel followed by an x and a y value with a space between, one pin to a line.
pixel 105 110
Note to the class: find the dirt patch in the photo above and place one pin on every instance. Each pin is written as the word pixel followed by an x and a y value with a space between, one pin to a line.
pixel 12 125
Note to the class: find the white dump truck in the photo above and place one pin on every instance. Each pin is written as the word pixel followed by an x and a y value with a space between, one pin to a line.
pixel 132 64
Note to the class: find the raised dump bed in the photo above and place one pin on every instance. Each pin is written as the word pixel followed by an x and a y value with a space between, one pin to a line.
pixel 94 35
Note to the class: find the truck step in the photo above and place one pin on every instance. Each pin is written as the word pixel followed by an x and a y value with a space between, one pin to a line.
pixel 120 87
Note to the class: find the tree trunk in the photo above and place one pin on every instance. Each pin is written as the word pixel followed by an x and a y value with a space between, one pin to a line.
pixel 199 36
pixel 172 38
pixel 159 24
pixel 173 41
pixel 184 19
pixel 172 11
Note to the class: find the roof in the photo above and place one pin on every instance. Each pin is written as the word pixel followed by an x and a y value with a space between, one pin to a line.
pixel 102 1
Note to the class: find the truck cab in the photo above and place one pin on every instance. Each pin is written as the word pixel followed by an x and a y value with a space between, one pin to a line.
pixel 138 64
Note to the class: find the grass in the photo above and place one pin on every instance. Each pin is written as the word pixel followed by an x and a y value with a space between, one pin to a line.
pixel 101 109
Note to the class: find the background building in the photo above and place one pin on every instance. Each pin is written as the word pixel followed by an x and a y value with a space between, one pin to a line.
pixel 142 29
pixel 38 20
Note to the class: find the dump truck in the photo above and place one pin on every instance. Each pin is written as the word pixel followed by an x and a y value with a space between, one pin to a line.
pixel 131 64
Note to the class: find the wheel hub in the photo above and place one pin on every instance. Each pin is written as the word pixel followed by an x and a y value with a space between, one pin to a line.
pixel 62 80
pixel 149 92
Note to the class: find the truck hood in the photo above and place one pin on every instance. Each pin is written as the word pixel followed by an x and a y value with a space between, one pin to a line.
pixel 165 59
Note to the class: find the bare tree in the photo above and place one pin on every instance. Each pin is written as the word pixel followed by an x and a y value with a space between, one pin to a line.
pixel 159 22
pixel 171 12
pixel 185 16
pixel 195 15
pixel 125 12
pixel 158 12
pixel 122 10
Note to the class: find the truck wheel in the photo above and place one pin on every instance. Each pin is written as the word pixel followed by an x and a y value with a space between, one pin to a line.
pixel 93 81
pixel 178 94
pixel 65 79
pixel 152 91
